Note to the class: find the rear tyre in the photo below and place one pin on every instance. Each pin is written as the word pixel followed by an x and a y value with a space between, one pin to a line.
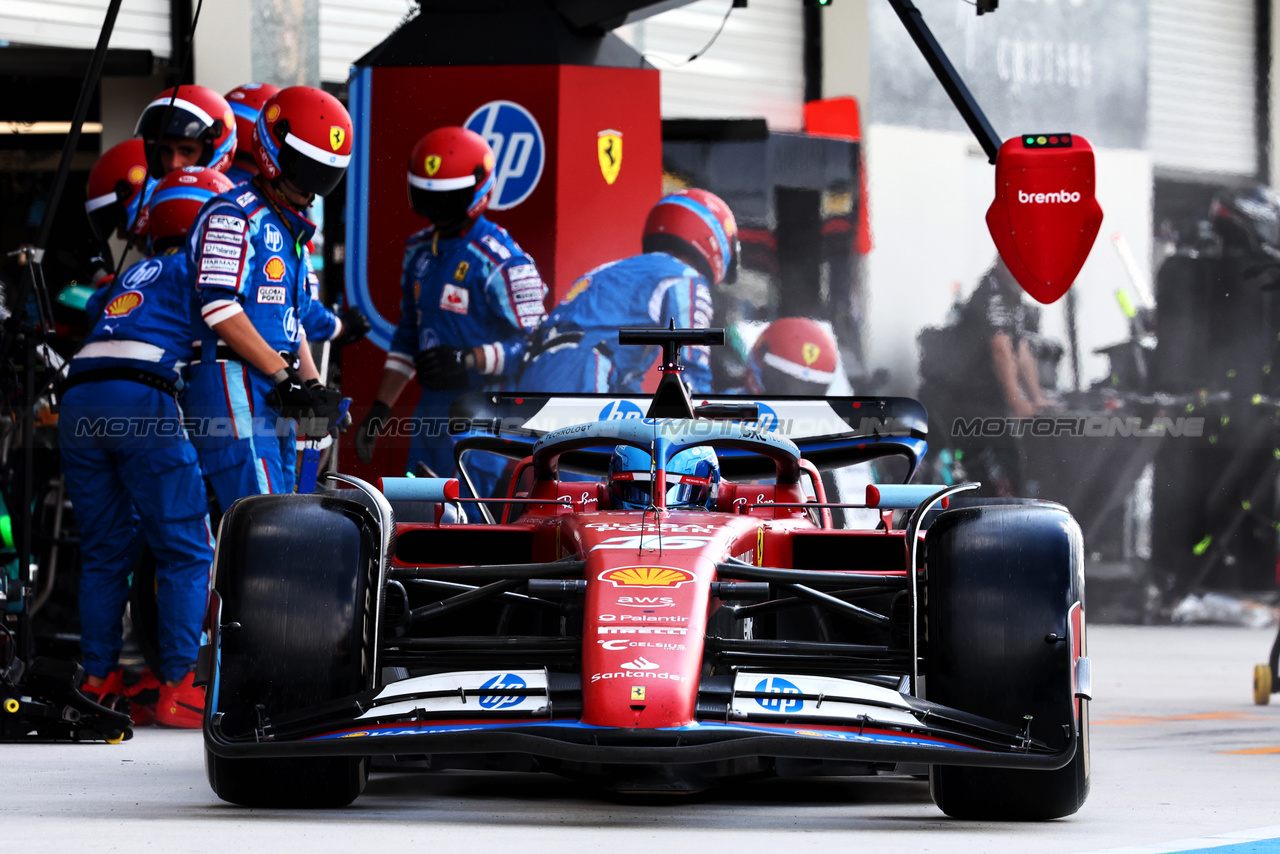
pixel 1000 579
pixel 297 573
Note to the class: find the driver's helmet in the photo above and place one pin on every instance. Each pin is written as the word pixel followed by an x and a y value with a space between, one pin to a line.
pixel 693 479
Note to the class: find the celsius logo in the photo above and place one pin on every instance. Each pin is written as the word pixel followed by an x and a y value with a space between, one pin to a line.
pixel 782 701
pixel 768 418
pixel 501 701
pixel 619 410
pixel 516 140
pixel 1048 198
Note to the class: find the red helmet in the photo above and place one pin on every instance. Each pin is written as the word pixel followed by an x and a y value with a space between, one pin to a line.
pixel 246 102
pixel 699 221
pixel 198 112
pixel 450 175
pixel 114 183
pixel 178 197
pixel 303 135
pixel 795 355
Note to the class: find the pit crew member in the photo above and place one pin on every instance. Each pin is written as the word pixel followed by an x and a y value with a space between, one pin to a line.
pixel 254 371
pixel 320 323
pixel 144 480
pixel 114 194
pixel 690 241
pixel 470 296
pixel 794 355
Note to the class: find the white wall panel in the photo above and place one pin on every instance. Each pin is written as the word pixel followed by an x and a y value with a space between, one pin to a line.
pixel 349 28
pixel 141 24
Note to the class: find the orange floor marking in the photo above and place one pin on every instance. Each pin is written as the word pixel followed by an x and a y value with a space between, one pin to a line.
pixel 1253 751
pixel 1133 720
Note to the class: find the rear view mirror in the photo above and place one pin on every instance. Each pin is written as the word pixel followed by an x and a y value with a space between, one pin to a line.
pixel 1045 216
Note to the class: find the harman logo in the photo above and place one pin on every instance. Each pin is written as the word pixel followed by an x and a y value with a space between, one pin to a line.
pixel 783 701
pixel 646 576
pixel 1048 198
pixel 502 701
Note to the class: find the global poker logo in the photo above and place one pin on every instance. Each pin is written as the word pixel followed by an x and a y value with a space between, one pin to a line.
pixel 501 701
pixel 619 410
pixel 518 149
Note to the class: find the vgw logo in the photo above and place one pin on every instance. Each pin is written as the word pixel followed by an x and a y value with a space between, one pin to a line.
pixel 501 701
pixel 518 150
pixel 783 701
pixel 619 410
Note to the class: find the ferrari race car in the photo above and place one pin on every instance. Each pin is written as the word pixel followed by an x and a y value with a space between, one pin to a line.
pixel 660 649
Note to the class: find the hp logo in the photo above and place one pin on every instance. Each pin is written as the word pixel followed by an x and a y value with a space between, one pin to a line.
pixel 291 324
pixel 768 418
pixel 518 150
pixel 141 275
pixel 782 702
pixel 273 239
pixel 501 701
pixel 619 410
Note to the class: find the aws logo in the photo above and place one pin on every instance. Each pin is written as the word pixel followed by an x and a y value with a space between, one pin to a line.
pixel 124 305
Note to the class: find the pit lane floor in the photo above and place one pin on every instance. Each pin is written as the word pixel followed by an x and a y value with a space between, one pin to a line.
pixel 1181 760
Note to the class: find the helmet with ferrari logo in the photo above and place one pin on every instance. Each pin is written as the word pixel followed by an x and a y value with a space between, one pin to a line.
pixel 191 113
pixel 698 227
pixel 246 103
pixel 177 200
pixel 795 355
pixel 450 176
pixel 115 184
pixel 303 136
pixel 693 479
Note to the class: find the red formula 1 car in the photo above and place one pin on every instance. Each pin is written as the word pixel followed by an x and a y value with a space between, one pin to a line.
pixel 655 649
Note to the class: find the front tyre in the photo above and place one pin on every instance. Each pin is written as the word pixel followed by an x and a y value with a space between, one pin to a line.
pixel 296 572
pixel 1000 581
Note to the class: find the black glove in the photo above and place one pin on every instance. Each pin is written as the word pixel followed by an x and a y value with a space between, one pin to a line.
pixel 444 368
pixel 326 411
pixel 354 327
pixel 373 426
pixel 291 397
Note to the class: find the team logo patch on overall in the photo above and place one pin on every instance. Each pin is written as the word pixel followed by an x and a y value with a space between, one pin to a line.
pixel 141 275
pixel 336 137
pixel 460 274
pixel 291 324
pixel 124 305
pixel 518 150
pixel 609 150
pixel 646 576
pixel 810 352
pixel 274 268
pixel 272 238
pixel 578 287
pixel 431 164
pixel 271 294
pixel 455 299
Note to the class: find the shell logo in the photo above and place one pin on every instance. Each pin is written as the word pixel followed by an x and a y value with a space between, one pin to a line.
pixel 646 576
pixel 123 305
pixel 137 175
pixel 273 112
pixel 274 268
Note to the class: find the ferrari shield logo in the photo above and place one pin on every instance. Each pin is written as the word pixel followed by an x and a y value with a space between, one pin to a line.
pixel 811 352
pixel 336 136
pixel 609 149
pixel 637 692
pixel 432 164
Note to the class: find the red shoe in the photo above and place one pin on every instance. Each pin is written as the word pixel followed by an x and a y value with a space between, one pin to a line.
pixel 143 696
pixel 110 693
pixel 181 705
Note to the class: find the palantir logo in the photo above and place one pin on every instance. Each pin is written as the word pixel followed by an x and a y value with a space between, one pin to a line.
pixel 783 701
pixel 619 410
pixel 518 150
pixel 502 701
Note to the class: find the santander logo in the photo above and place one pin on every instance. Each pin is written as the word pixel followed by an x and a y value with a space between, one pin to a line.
pixel 1048 198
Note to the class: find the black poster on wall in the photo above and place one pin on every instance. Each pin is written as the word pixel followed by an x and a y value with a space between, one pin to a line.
pixel 1034 65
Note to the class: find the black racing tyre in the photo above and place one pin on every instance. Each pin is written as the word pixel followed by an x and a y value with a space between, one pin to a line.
pixel 999 580
pixel 298 573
